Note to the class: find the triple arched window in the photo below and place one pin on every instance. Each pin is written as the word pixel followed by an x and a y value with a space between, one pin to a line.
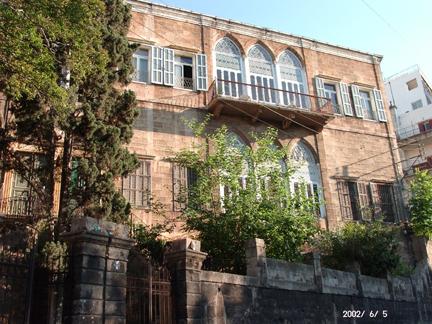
pixel 264 74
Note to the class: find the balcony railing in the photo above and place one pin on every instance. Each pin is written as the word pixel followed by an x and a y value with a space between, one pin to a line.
pixel 413 130
pixel 20 208
pixel 263 94
pixel 184 83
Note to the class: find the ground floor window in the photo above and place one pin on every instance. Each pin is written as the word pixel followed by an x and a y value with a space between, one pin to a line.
pixel 366 201
pixel 136 187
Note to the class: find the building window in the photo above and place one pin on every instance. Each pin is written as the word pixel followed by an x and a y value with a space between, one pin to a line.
pixel 261 74
pixel 292 80
pixel 412 84
pixel 183 72
pixel 307 172
pixel 228 68
pixel 417 104
pixel 183 180
pixel 140 62
pixel 136 186
pixel 365 201
pixel 330 92
pixel 366 103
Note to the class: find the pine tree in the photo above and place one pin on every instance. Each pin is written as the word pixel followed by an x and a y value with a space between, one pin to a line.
pixel 62 68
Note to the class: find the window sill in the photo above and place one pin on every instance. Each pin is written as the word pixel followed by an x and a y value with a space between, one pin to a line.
pixel 140 82
pixel 189 90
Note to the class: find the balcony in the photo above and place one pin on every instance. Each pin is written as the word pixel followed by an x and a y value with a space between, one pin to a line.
pixel 20 208
pixel 282 108
pixel 183 82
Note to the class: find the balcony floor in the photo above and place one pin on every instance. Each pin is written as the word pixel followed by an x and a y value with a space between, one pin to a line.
pixel 278 115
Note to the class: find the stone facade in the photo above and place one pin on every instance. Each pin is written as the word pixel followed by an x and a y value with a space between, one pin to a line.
pixel 347 148
pixel 343 148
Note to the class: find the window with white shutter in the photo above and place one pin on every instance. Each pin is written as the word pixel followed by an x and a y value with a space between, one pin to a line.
pixel 168 66
pixel 357 100
pixel 319 86
pixel 346 100
pixel 379 105
pixel 201 71
pixel 157 65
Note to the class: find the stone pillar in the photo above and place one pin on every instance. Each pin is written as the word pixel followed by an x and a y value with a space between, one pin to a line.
pixel 318 271
pixel 184 261
pixel 256 263
pixel 96 290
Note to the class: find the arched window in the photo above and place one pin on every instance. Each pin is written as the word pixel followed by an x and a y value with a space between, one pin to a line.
pixel 307 173
pixel 261 74
pixel 292 79
pixel 235 142
pixel 228 68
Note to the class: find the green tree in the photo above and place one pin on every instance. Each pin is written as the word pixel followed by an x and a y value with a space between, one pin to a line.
pixel 372 246
pixel 421 204
pixel 62 67
pixel 259 207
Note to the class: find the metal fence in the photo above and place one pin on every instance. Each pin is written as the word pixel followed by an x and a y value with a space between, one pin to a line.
pixel 149 297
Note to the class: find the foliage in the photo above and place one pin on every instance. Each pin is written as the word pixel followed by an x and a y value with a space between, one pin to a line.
pixel 148 238
pixel 421 204
pixel 263 208
pixel 372 246
pixel 54 256
pixel 43 42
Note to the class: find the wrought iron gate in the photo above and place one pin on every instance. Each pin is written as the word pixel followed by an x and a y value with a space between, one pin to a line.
pixel 17 259
pixel 149 297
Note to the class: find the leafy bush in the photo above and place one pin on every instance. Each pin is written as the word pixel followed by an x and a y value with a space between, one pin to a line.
pixel 259 207
pixel 373 246
pixel 421 204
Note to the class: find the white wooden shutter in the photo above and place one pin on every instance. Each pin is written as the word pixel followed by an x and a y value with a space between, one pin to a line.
pixel 346 100
pixel 379 105
pixel 201 71
pixel 319 86
pixel 157 65
pixel 168 67
pixel 357 101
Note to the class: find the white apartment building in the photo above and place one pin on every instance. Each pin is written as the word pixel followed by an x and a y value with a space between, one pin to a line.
pixel 410 97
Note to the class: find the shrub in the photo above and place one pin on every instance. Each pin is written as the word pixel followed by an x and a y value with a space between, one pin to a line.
pixel 373 246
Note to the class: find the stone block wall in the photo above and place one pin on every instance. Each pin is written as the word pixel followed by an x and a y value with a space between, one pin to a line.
pixel 96 287
pixel 275 291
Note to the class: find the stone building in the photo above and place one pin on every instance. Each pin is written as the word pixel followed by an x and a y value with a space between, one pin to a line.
pixel 327 102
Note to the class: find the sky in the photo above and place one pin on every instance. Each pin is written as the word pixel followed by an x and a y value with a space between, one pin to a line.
pixel 400 30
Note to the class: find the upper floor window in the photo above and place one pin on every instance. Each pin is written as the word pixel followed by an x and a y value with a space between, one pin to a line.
pixel 183 72
pixel 292 79
pixel 228 68
pixel 417 104
pixel 169 68
pixel 140 61
pixel 330 92
pixel 412 84
pixel 261 74
pixel 366 102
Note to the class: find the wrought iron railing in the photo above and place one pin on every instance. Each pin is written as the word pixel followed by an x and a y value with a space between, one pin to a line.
pixel 265 94
pixel 184 83
pixel 406 132
pixel 20 207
